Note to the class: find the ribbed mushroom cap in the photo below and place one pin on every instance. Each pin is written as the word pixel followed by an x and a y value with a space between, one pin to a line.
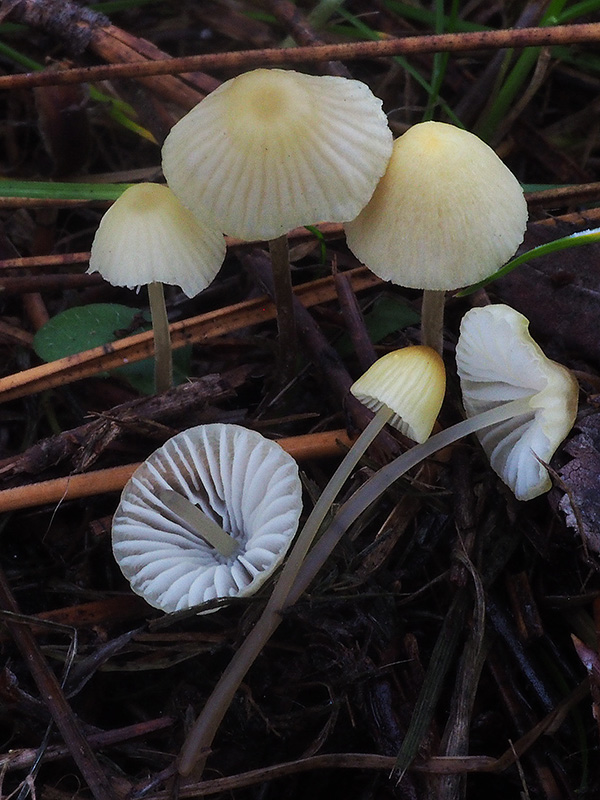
pixel 447 212
pixel 247 484
pixel 147 235
pixel 498 361
pixel 411 382
pixel 274 149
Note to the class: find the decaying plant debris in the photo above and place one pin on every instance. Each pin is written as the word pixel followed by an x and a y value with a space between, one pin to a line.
pixel 449 647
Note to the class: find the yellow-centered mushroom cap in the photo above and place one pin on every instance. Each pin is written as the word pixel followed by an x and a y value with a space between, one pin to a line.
pixel 498 361
pixel 411 382
pixel 147 235
pixel 447 212
pixel 274 149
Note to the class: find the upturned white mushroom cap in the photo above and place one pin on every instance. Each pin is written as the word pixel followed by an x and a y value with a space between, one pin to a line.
pixel 273 149
pixel 497 362
pixel 247 484
pixel 147 235
pixel 411 382
pixel 447 212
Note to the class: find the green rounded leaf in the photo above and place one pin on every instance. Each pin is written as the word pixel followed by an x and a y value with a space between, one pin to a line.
pixel 84 327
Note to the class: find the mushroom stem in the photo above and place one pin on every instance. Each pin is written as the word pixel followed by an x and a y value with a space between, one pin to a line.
pixel 432 319
pixel 163 357
pixel 196 746
pixel 284 300
pixel 198 522
pixel 372 489
pixel 321 507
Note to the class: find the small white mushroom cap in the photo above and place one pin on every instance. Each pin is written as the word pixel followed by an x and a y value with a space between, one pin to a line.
pixel 147 236
pixel 498 361
pixel 447 212
pixel 274 149
pixel 411 382
pixel 247 484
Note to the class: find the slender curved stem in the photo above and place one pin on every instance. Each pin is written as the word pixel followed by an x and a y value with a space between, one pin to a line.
pixel 163 357
pixel 386 476
pixel 317 515
pixel 197 746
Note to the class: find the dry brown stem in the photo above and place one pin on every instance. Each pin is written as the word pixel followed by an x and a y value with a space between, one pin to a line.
pixel 441 43
pixel 113 479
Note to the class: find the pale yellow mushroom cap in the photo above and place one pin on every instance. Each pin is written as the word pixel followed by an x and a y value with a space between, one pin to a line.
pixel 411 382
pixel 274 149
pixel 147 235
pixel 498 361
pixel 447 212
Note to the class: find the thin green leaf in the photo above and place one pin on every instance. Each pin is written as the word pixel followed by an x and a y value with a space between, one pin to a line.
pixel 48 190
pixel 565 243
pixel 369 33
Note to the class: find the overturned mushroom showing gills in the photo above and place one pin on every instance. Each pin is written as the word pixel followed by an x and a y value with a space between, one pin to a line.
pixel 249 489
pixel 497 362
pixel 447 213
pixel 274 149
pixel 147 237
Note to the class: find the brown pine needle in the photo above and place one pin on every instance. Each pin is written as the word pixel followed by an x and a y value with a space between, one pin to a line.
pixel 244 59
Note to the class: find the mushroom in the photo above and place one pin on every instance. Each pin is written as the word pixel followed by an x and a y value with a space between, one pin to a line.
pixel 148 237
pixel 407 386
pixel 447 213
pixel 274 149
pixel 497 362
pixel 209 514
pixel 546 398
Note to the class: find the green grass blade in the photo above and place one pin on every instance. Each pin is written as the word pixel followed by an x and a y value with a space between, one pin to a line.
pixel 47 190
pixel 591 236
pixel 515 79
pixel 369 33
pixel 443 24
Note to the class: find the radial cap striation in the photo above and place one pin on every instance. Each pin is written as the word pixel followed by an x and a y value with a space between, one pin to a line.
pixel 411 382
pixel 148 236
pixel 274 149
pixel 447 212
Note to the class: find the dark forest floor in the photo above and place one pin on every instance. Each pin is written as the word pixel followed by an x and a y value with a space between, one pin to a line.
pixel 505 594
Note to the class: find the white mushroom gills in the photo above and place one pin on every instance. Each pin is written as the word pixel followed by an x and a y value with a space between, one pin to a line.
pixel 498 360
pixel 249 498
